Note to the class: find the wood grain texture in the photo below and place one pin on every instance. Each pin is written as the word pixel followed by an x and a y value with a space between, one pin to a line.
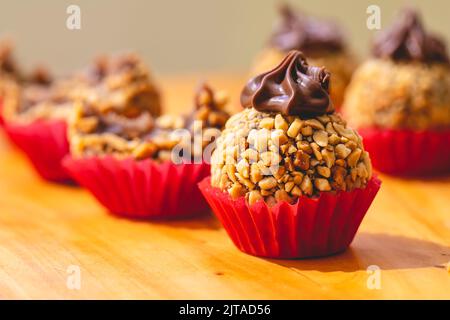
pixel 45 228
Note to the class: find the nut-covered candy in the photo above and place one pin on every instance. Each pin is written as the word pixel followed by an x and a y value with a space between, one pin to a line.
pixel 94 131
pixel 406 84
pixel 297 167
pixel 299 145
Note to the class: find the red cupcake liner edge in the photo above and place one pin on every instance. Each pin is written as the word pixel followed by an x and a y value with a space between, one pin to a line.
pixel 142 189
pixel 407 152
pixel 311 227
pixel 45 145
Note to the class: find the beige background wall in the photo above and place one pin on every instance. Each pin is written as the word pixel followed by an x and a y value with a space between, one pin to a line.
pixel 179 36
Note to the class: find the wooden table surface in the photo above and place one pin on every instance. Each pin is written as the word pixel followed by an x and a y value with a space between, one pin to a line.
pixel 46 229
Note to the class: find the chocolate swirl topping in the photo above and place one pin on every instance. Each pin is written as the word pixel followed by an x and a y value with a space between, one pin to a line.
pixel 407 40
pixel 296 31
pixel 292 88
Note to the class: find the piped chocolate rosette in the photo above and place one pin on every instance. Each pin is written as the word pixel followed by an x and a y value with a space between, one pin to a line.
pixel 297 31
pixel 146 167
pixel 400 99
pixel 322 41
pixel 288 165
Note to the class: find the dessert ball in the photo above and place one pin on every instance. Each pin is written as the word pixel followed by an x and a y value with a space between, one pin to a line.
pixel 38 97
pixel 142 166
pixel 288 141
pixel 323 42
pixel 399 100
pixel 121 84
pixel 406 83
pixel 96 131
pixel 289 178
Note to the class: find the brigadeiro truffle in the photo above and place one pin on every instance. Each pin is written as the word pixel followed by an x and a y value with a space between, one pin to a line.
pixel 322 41
pixel 400 100
pixel 140 166
pixel 37 111
pixel 289 178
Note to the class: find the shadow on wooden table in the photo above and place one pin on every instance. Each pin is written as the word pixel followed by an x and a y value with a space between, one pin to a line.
pixel 205 221
pixel 386 251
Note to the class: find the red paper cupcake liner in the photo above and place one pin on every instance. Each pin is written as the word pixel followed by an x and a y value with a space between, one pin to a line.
pixel 311 227
pixel 45 144
pixel 407 152
pixel 2 120
pixel 142 189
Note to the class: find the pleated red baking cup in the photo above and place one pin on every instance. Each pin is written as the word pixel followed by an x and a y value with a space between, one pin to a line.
pixel 142 189
pixel 45 144
pixel 312 227
pixel 2 120
pixel 408 152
